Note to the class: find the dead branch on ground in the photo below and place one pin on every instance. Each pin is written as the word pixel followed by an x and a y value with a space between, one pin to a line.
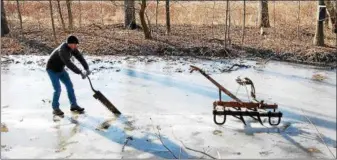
pixel 160 138
pixel 126 142
pixel 319 134
pixel 235 65
pixel 191 149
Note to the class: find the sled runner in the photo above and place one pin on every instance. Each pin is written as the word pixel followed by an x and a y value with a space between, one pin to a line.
pixel 256 109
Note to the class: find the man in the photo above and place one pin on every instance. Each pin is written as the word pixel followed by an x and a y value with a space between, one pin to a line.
pixel 60 58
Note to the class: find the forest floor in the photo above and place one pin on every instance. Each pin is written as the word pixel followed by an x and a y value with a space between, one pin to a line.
pixel 196 41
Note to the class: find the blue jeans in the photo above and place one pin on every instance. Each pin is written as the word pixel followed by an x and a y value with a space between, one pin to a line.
pixel 55 78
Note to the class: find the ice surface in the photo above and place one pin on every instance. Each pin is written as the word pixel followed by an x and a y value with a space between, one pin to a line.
pixel 156 92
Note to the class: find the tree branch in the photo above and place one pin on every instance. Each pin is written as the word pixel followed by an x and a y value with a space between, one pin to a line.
pixel 159 137
pixel 191 149
pixel 319 134
pixel 126 142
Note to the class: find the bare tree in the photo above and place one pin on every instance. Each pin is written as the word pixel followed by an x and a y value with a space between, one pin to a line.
pixel 229 24
pixel 102 16
pixel 148 22
pixel 274 15
pixel 298 19
pixel 168 19
pixel 70 16
pixel 52 20
pixel 332 13
pixel 213 19
pixel 4 23
pixel 39 18
pixel 19 13
pixel 319 35
pixel 326 22
pixel 226 27
pixel 264 14
pixel 336 22
pixel 146 30
pixel 61 16
pixel 157 13
pixel 129 18
pixel 244 22
pixel 80 20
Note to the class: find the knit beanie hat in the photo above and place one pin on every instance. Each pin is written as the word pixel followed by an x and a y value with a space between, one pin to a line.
pixel 72 40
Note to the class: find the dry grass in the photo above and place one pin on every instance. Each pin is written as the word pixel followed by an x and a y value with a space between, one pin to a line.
pixel 11 46
pixel 190 13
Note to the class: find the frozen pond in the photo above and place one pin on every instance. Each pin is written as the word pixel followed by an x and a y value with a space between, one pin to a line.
pixel 161 94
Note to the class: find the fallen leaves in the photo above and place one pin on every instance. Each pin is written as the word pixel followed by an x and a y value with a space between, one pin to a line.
pixel 314 150
pixel 217 132
pixel 46 101
pixel 127 128
pixel 265 153
pixel 106 124
pixel 319 77
pixel 4 128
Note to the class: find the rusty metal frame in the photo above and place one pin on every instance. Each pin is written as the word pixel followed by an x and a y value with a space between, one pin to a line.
pixel 253 109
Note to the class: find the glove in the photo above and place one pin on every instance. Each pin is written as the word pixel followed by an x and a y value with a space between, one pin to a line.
pixel 88 72
pixel 83 75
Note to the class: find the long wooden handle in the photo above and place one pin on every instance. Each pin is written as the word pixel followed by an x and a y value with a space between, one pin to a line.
pixel 216 83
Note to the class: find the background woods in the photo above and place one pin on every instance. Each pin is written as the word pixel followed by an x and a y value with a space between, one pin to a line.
pixel 176 27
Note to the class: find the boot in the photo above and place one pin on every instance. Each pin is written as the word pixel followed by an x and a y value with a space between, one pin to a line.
pixel 76 108
pixel 58 112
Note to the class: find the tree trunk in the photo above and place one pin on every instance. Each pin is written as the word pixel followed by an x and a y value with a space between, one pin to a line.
pixel 148 22
pixel 157 13
pixel 326 21
pixel 244 22
pixel 229 24
pixel 213 19
pixel 298 19
pixel 129 17
pixel 332 13
pixel 274 15
pixel 39 21
pixel 102 16
pixel 168 21
pixel 319 35
pixel 52 20
pixel 70 16
pixel 264 14
pixel 226 27
pixel 61 16
pixel 19 13
pixel 147 33
pixel 4 23
pixel 80 21
pixel 336 22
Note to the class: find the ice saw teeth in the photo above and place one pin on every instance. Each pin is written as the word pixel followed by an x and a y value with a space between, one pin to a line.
pixel 99 96
pixel 256 109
